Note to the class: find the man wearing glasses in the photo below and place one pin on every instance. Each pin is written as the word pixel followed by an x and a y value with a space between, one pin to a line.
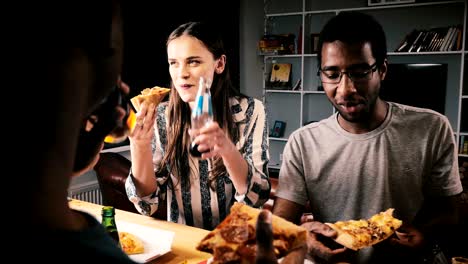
pixel 369 156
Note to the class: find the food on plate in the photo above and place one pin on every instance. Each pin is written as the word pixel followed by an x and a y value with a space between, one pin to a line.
pixel 233 240
pixel 130 243
pixel 358 234
pixel 154 95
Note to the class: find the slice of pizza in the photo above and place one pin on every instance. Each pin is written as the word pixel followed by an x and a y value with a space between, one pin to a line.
pixel 153 95
pixel 358 234
pixel 234 239
pixel 130 243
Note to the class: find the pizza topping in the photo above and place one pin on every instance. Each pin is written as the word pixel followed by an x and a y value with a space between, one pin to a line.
pixel 248 250
pixel 130 243
pixel 235 234
pixel 357 234
pixel 234 239
pixel 237 229
pixel 225 254
pixel 281 246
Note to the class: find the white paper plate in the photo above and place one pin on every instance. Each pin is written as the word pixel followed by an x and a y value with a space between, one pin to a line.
pixel 157 242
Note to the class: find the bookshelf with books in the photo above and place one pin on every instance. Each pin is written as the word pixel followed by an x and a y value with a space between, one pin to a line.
pixel 434 39
pixel 303 101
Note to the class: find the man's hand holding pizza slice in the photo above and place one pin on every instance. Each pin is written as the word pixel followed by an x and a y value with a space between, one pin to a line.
pixel 341 240
pixel 321 243
pixel 408 236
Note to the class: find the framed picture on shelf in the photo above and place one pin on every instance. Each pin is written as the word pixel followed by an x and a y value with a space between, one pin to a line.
pixel 280 77
pixel 388 2
pixel 278 129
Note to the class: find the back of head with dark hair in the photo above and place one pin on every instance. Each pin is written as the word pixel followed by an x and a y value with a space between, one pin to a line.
pixel 67 57
pixel 352 27
pixel 70 54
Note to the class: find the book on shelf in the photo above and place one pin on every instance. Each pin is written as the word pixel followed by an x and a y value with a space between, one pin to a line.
pixel 437 40
pixel 433 39
pixel 297 86
pixel 407 41
pixel 417 42
pixel 460 144
pixel 299 42
pixel 455 38
pixel 314 40
pixel 423 42
pixel 463 146
pixel 447 39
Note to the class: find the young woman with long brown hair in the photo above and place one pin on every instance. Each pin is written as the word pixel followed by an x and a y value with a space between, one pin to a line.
pixel 199 191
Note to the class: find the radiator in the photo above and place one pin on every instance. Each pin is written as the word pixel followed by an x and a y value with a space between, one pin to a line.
pixel 88 192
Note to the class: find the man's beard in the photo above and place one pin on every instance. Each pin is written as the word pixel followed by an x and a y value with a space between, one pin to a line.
pixel 362 116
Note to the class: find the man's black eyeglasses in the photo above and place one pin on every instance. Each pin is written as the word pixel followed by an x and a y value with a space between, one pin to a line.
pixel 356 75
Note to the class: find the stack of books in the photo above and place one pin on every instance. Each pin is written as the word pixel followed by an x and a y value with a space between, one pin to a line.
pixel 434 39
pixel 277 44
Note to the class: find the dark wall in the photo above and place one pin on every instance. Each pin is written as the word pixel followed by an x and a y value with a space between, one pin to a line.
pixel 146 31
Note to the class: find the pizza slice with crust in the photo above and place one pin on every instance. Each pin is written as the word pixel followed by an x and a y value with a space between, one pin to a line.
pixel 358 234
pixel 234 239
pixel 153 95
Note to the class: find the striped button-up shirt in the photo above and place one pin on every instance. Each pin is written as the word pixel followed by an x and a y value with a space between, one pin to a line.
pixel 194 203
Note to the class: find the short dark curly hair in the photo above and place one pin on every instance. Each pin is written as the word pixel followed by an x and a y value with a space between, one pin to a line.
pixel 353 27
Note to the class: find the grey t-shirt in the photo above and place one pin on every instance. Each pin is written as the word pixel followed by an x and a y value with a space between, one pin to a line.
pixel 353 176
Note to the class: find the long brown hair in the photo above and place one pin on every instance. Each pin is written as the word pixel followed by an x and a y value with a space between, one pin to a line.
pixel 178 140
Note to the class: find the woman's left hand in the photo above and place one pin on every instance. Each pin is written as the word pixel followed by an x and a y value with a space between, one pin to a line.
pixel 212 141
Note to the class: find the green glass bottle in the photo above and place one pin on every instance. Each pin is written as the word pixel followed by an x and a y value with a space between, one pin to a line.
pixel 108 222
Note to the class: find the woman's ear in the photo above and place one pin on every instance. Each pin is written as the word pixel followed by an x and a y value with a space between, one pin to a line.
pixel 220 64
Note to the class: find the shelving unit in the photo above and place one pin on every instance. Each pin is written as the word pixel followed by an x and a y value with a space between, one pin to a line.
pixel 305 17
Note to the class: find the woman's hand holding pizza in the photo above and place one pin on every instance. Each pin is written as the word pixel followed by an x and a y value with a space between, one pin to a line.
pixel 145 105
pixel 144 128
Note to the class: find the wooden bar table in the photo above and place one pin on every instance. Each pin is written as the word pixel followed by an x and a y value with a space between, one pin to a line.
pixel 185 238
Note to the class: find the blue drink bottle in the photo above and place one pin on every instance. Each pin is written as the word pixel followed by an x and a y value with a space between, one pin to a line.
pixel 202 112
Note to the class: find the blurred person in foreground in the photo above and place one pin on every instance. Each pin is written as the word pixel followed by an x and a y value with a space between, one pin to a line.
pixel 74 57
pixel 369 156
